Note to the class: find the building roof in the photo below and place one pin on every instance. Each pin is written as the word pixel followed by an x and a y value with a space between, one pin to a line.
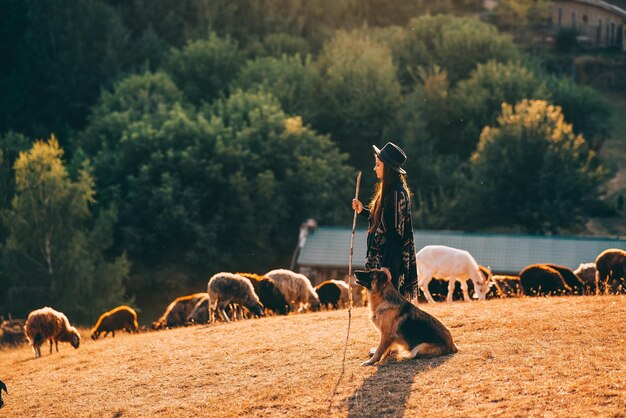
pixel 606 5
pixel 329 247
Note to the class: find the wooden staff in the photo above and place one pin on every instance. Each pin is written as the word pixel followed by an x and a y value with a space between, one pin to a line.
pixel 356 196
pixel 345 347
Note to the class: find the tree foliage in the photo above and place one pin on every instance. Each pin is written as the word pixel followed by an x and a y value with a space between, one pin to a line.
pixel 54 255
pixel 533 170
pixel 204 68
pixel 293 80
pixel 211 190
pixel 456 44
pixel 59 54
pixel 360 93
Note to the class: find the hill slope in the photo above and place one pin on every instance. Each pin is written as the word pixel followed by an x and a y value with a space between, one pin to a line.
pixel 529 356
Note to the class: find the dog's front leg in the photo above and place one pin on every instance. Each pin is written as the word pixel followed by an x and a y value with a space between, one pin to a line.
pixel 383 346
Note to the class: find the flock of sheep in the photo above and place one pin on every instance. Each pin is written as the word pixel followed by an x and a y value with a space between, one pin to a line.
pixel 279 292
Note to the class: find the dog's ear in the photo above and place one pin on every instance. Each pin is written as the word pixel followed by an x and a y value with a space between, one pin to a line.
pixel 362 274
pixel 387 272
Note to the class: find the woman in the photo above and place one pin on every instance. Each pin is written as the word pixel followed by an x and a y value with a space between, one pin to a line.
pixel 390 234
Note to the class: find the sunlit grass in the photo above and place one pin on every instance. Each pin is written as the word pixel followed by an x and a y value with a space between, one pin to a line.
pixel 544 356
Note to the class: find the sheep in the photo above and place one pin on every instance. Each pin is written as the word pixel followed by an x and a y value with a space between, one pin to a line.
pixel 200 312
pixel 122 317
pixel 13 331
pixel 177 311
pixel 611 270
pixel 329 293
pixel 225 288
pixel 540 279
pixel 47 324
pixel 268 293
pixel 505 287
pixel 344 300
pixel 578 287
pixel 296 288
pixel 586 272
pixel 450 264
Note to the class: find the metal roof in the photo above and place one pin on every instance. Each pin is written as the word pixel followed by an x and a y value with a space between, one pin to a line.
pixel 330 247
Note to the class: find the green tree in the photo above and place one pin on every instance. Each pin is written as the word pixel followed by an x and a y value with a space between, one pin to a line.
pixel 58 55
pixel 278 173
pixel 293 80
pixel 204 68
pixel 522 14
pixel 55 250
pixel 477 101
pixel 360 94
pixel 531 170
pixel 456 44
pixel 583 107
pixel 436 179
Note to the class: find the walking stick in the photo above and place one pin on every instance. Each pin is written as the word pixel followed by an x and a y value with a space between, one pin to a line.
pixel 345 347
pixel 356 196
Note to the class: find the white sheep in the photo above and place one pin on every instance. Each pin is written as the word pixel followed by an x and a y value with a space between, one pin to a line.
pixel 226 288
pixel 47 324
pixel 296 288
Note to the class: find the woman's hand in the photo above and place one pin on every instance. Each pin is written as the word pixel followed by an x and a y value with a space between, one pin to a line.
pixel 357 205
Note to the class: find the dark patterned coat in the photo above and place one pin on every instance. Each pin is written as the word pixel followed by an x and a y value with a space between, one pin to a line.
pixel 391 245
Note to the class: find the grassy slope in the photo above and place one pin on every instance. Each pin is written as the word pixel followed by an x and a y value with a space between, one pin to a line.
pixel 529 356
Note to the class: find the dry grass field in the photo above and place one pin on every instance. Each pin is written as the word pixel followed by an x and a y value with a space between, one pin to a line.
pixel 523 357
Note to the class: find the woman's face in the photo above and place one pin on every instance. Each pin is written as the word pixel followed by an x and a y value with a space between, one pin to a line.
pixel 379 166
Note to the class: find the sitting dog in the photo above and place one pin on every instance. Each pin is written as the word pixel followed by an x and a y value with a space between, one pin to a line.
pixel 400 322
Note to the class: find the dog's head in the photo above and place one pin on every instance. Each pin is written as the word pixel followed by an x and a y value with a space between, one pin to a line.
pixel 373 280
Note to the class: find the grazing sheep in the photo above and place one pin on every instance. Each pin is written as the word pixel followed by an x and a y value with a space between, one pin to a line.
pixel 329 293
pixel 505 287
pixel 3 387
pixel 450 264
pixel 122 317
pixel 268 293
pixel 578 287
pixel 225 288
pixel 611 266
pixel 540 279
pixel 586 272
pixel 200 312
pixel 13 331
pixel 177 311
pixel 296 288
pixel 48 324
pixel 344 300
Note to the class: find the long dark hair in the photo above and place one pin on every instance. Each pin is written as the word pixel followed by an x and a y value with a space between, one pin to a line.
pixel 381 191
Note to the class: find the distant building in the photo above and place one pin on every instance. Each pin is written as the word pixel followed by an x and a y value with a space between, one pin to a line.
pixel 326 252
pixel 601 24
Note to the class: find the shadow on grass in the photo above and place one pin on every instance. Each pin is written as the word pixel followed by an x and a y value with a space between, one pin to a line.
pixel 386 392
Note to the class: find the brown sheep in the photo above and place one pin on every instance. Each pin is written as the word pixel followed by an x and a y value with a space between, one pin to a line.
pixel 540 279
pixel 505 287
pixel 178 311
pixel 577 285
pixel 13 331
pixel 611 270
pixel 48 324
pixel 268 293
pixel 122 317
pixel 329 293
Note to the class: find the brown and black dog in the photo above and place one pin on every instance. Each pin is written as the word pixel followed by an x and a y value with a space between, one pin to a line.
pixel 400 322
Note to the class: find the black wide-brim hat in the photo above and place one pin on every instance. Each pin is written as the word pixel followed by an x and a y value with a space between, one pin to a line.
pixel 392 155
